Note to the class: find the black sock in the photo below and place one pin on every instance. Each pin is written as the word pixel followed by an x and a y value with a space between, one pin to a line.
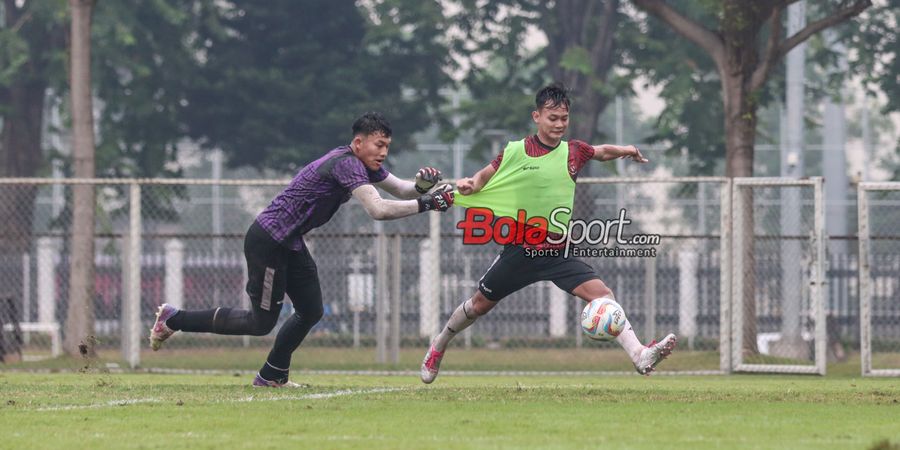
pixel 291 334
pixel 194 321
pixel 223 321
pixel 272 373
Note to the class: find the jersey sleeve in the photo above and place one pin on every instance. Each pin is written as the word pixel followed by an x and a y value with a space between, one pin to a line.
pixel 580 153
pixel 496 162
pixel 379 175
pixel 350 173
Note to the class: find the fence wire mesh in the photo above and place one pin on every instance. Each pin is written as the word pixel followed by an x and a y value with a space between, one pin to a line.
pixel 192 256
pixel 880 278
pixel 777 277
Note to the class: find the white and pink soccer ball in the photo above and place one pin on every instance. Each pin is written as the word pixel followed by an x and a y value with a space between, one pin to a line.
pixel 603 319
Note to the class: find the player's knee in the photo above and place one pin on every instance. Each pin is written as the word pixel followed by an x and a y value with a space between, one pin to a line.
pixel 481 305
pixel 263 325
pixel 592 289
pixel 311 315
pixel 605 291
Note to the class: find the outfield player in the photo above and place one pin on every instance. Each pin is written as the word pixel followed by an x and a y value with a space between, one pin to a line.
pixel 538 174
pixel 278 261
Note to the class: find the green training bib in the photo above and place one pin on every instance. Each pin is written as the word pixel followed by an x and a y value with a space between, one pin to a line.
pixel 537 185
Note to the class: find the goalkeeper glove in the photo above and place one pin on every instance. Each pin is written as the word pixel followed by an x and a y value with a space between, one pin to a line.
pixel 426 178
pixel 440 200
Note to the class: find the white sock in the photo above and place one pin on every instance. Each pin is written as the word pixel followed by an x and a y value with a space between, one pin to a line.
pixel 461 318
pixel 629 341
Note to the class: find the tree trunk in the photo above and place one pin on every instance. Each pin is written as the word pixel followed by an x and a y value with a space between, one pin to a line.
pixel 735 49
pixel 740 134
pixel 80 315
pixel 582 24
pixel 590 25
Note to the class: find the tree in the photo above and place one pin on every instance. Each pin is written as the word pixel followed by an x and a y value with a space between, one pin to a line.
pixel 278 84
pixel 744 65
pixel 80 315
pixel 742 62
pixel 583 45
pixel 32 34
pixel 689 88
pixel 142 66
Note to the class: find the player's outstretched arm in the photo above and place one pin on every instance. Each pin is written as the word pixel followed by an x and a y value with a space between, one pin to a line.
pixel 381 209
pixel 606 152
pixel 426 178
pixel 469 186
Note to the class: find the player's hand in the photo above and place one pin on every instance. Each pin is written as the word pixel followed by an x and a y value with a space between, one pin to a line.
pixel 634 154
pixel 440 200
pixel 465 186
pixel 426 178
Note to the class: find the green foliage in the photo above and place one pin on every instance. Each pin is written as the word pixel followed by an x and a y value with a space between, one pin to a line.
pixel 32 46
pixel 13 55
pixel 273 83
pixel 576 59
pixel 140 60
pixel 875 50
pixel 276 85
pixel 693 115
pixel 503 73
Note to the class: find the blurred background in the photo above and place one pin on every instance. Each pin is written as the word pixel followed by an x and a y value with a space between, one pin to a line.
pixel 246 92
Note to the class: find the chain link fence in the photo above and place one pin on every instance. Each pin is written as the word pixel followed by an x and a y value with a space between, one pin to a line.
pixel 879 277
pixel 389 286
pixel 778 320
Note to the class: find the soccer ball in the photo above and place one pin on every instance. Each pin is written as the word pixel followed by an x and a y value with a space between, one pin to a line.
pixel 603 319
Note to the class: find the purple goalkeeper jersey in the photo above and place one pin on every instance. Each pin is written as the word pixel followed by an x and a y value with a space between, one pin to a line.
pixel 315 194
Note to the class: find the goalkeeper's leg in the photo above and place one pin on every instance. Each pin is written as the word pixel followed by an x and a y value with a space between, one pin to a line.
pixel 306 295
pixel 266 270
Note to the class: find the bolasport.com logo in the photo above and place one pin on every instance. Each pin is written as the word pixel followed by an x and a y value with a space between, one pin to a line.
pixel 580 238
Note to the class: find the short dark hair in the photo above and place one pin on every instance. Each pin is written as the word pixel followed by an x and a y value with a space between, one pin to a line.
pixel 555 94
pixel 371 123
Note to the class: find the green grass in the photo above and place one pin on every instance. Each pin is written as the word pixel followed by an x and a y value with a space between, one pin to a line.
pixel 97 410
pixel 586 359
pixel 516 359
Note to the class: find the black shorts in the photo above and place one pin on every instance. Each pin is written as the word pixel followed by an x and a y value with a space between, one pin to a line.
pixel 514 269
pixel 273 270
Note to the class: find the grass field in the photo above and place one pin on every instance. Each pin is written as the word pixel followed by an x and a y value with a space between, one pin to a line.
pixel 476 359
pixel 102 410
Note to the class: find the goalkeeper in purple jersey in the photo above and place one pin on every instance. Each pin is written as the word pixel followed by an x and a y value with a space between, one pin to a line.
pixel 278 261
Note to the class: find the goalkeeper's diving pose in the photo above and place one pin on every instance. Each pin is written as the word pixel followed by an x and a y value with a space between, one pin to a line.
pixel 278 261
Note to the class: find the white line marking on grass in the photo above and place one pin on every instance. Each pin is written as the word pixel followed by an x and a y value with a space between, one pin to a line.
pixel 316 396
pixel 101 405
pixel 252 398
pixel 463 373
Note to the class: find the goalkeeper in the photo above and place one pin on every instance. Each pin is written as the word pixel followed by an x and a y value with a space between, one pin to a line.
pixel 278 261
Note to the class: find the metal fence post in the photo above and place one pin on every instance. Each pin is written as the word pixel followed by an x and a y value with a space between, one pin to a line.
pixel 819 282
pixel 865 283
pixel 429 279
pixel 395 299
pixel 725 261
pixel 688 266
pixel 174 273
pixel 47 258
pixel 737 275
pixel 650 298
pixel 131 302
pixel 558 317
pixel 381 298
